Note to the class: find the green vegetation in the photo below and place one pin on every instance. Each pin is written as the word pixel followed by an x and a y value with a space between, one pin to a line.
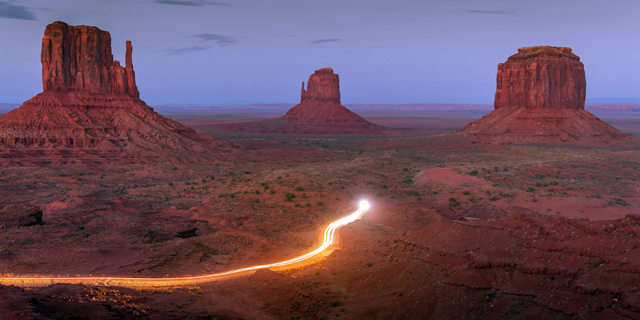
pixel 289 196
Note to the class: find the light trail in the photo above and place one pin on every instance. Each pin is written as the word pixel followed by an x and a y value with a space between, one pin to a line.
pixel 329 239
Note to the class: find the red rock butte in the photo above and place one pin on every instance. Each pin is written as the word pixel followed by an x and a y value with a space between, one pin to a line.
pixel 540 97
pixel 320 107
pixel 91 103
pixel 319 113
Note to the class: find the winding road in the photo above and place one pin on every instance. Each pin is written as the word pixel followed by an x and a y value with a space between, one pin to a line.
pixel 329 239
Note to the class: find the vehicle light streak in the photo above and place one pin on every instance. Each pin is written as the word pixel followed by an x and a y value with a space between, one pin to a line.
pixel 329 239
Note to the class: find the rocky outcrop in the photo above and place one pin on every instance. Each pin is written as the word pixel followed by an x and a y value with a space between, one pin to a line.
pixel 78 58
pixel 541 77
pixel 92 103
pixel 320 110
pixel 323 85
pixel 17 215
pixel 540 96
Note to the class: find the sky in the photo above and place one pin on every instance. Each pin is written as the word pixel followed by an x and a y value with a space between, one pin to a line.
pixel 385 51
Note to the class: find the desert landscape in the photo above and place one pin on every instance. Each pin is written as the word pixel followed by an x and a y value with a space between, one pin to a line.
pixel 527 208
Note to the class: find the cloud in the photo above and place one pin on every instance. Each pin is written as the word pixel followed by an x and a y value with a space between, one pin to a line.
pixel 14 11
pixel 186 50
pixel 324 40
pixel 491 11
pixel 220 39
pixel 191 3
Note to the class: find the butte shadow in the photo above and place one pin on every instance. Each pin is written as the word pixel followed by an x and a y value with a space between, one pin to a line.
pixel 540 97
pixel 318 113
pixel 90 110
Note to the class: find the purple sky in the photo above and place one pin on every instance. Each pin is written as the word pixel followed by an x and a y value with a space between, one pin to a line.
pixel 385 51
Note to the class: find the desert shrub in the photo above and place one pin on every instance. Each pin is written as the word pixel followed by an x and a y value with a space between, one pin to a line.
pixel 379 194
pixel 256 200
pixel 299 188
pixel 553 183
pixel 596 195
pixel 296 205
pixel 494 198
pixel 266 187
pixel 545 185
pixel 474 173
pixel 539 176
pixel 534 200
pixel 232 196
pixel 304 195
pixel 621 202
pixel 453 202
pixel 384 186
pixel 230 173
pixel 245 192
pixel 407 181
pixel 505 169
pixel 330 183
pixel 308 204
pixel 319 203
pixel 405 169
pixel 413 193
pixel 466 193
pixel 272 191
pixel 538 184
pixel 257 192
pixel 334 303
pixel 286 175
pixel 531 189
pixel 495 169
pixel 289 196
pixel 170 183
pixel 279 178
pixel 174 168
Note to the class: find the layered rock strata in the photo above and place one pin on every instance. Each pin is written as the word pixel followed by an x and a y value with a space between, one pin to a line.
pixel 320 107
pixel 90 102
pixel 540 97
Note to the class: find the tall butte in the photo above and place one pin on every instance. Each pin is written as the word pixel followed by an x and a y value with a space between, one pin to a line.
pixel 320 111
pixel 540 97
pixel 91 103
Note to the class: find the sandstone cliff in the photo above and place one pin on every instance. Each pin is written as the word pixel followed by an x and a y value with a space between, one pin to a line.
pixel 320 108
pixel 540 96
pixel 90 103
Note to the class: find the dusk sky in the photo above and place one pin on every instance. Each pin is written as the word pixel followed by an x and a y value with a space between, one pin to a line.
pixel 385 51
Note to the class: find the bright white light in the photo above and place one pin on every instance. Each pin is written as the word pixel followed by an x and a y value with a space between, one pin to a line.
pixel 329 239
